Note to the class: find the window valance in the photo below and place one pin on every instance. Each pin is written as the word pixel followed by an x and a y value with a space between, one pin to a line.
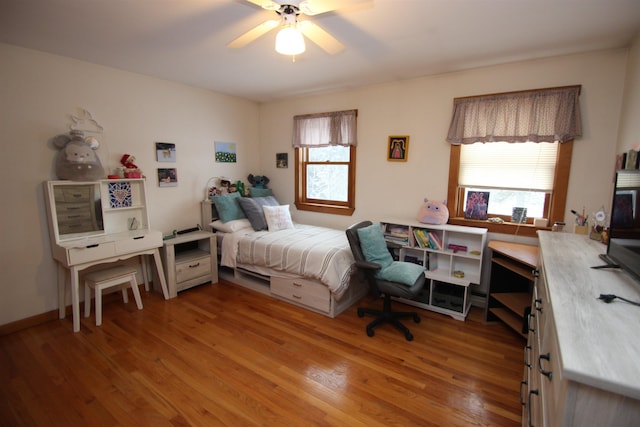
pixel 541 115
pixel 324 129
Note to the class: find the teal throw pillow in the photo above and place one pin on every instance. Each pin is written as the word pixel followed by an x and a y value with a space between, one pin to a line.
pixel 374 247
pixel 401 272
pixel 228 207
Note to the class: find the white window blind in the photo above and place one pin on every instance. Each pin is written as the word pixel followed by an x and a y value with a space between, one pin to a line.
pixel 523 166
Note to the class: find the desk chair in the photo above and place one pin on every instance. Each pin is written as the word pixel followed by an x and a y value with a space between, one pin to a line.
pixel 107 278
pixel 384 275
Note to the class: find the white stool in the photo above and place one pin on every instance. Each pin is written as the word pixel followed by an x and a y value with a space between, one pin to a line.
pixel 103 279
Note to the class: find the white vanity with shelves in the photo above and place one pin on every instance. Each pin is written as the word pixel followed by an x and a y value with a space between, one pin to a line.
pixel 98 222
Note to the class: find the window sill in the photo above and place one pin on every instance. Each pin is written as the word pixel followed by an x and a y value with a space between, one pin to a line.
pixel 328 209
pixel 527 230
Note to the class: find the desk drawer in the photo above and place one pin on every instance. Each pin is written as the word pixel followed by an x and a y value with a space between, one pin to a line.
pixel 300 291
pixel 140 243
pixel 91 253
pixel 192 268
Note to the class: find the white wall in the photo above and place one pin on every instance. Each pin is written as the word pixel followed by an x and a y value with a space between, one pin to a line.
pixel 40 91
pixel 629 123
pixel 422 109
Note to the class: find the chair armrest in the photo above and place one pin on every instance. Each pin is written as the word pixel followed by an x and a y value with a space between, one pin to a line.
pixel 368 265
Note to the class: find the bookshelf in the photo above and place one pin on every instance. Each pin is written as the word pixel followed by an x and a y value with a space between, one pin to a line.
pixel 451 256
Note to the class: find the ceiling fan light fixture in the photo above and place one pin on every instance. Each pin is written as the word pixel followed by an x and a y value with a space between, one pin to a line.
pixel 289 41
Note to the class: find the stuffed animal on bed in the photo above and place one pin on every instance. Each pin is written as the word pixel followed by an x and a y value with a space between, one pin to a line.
pixel 433 212
pixel 258 181
pixel 77 159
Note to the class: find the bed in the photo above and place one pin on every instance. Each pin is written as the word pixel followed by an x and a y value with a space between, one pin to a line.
pixel 305 265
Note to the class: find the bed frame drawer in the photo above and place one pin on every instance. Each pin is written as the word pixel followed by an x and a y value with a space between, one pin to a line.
pixel 304 292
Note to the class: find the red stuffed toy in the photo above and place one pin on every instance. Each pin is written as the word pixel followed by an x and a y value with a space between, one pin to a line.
pixel 127 161
pixel 130 169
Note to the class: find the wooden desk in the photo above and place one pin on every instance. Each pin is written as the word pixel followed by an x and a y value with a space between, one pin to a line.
pixel 77 255
pixel 511 283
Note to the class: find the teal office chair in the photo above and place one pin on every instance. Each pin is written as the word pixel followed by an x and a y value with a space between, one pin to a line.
pixel 384 275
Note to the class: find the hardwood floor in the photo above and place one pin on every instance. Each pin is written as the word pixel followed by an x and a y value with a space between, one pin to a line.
pixel 221 355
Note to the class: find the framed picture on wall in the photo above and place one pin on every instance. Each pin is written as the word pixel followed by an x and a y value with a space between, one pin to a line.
pixel 398 148
pixel 282 160
pixel 165 152
pixel 167 177
pixel 225 152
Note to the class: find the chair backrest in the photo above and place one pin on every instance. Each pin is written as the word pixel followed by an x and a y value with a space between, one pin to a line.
pixel 354 239
pixel 358 255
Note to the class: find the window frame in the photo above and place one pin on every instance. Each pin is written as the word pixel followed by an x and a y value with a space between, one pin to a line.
pixel 301 155
pixel 554 204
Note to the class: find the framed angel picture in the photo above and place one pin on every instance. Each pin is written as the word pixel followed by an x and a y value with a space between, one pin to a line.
pixel 398 149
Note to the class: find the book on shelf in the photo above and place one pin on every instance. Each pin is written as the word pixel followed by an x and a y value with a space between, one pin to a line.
pixel 436 240
pixel 419 239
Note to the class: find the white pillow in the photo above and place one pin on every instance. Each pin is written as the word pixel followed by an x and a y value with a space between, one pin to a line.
pixel 278 217
pixel 231 226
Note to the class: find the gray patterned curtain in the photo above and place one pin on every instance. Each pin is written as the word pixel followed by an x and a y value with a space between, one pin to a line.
pixel 541 115
pixel 325 129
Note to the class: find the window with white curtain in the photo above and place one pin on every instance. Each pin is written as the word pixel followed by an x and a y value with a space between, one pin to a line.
pixel 517 146
pixel 529 166
pixel 325 160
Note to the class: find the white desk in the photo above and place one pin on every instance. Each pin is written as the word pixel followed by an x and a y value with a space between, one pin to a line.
pixel 77 255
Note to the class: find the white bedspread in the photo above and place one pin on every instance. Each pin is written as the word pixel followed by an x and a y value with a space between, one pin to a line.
pixel 315 252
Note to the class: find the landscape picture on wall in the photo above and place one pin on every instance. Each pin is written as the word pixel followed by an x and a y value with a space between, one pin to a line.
pixel 477 205
pixel 225 152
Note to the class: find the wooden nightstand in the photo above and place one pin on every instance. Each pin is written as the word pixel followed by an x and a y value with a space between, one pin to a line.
pixel 190 259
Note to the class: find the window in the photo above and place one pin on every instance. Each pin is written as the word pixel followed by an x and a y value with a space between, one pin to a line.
pixel 530 175
pixel 325 160
pixel 530 169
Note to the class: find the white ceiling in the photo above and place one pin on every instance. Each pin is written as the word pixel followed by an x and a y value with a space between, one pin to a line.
pixel 386 40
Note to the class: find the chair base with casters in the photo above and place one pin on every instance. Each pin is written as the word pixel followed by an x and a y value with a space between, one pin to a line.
pixel 105 279
pixel 377 286
pixel 386 315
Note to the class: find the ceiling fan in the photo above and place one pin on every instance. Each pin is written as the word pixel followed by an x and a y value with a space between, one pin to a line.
pixel 289 40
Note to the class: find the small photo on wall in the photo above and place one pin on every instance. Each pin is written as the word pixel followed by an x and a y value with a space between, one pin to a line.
pixel 398 148
pixel 167 177
pixel 225 152
pixel 282 160
pixel 166 152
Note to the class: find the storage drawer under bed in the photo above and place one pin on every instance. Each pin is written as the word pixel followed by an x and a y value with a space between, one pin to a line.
pixel 300 291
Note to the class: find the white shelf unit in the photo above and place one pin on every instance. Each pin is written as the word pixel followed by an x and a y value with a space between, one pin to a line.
pixel 455 250
pixel 118 218
pixel 84 209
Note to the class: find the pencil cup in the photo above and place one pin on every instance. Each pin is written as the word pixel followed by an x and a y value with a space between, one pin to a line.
pixel 581 229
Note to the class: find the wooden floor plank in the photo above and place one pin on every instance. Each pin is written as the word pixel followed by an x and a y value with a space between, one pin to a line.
pixel 221 355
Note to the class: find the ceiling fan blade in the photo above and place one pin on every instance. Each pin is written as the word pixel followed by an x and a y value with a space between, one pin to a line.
pixel 320 37
pixel 316 7
pixel 253 34
pixel 266 4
